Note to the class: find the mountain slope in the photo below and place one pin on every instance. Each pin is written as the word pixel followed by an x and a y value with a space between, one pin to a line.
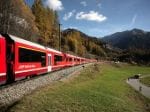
pixel 135 45
pixel 130 40
pixel 82 44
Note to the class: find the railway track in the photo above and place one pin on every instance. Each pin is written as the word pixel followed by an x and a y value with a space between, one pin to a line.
pixel 10 94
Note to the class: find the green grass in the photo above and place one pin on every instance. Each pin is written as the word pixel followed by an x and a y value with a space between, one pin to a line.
pixel 146 81
pixel 96 89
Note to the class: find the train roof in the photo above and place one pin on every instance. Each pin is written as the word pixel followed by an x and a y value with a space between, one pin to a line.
pixel 73 56
pixel 53 50
pixel 17 39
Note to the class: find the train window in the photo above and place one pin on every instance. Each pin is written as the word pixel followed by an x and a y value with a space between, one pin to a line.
pixel 57 58
pixel 70 59
pixel 26 55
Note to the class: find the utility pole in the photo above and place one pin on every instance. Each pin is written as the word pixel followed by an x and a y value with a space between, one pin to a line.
pixel 60 37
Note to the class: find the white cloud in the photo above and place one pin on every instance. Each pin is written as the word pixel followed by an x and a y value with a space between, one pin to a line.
pixel 91 16
pixel 83 3
pixel 133 20
pixel 69 15
pixel 54 4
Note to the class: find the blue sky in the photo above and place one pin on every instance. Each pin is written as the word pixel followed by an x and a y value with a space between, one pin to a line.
pixel 102 17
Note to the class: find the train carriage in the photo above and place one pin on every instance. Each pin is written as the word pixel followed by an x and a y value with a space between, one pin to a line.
pixel 2 60
pixel 29 59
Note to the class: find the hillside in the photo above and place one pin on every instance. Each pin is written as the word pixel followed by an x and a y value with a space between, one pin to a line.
pixel 129 40
pixel 82 44
pixel 16 18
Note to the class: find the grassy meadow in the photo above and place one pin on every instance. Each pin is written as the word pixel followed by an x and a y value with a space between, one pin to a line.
pixel 100 88
pixel 146 81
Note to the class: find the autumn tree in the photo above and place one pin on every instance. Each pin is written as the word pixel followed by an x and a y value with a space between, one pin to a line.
pixel 73 42
pixel 47 23
pixel 81 44
pixel 16 18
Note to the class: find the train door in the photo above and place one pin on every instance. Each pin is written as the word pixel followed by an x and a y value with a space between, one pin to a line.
pixel 10 57
pixel 49 62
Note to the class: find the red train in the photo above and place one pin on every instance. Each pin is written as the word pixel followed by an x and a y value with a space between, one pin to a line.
pixel 20 59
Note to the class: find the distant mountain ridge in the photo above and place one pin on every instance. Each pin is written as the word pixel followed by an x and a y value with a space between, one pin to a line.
pixel 135 45
pixel 133 39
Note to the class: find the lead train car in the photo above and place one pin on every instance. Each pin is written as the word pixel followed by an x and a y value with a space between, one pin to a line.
pixel 2 60
pixel 20 59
